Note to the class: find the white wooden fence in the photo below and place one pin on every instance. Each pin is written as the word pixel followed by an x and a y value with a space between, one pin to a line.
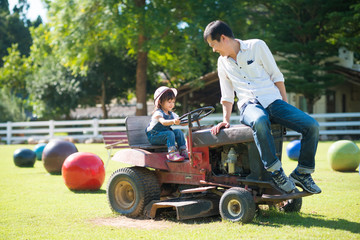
pixel 16 132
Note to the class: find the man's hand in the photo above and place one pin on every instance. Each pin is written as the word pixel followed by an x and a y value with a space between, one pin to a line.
pixel 216 129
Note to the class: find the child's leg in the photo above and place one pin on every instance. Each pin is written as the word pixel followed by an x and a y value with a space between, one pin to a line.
pixel 180 140
pixel 167 137
pixel 163 137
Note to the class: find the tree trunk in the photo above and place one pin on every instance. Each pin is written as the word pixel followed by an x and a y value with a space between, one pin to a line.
pixel 103 99
pixel 141 67
pixel 310 105
pixel 141 78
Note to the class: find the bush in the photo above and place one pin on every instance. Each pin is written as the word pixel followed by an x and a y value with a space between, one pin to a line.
pixel 10 108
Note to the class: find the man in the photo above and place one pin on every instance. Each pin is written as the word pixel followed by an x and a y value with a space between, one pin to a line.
pixel 249 69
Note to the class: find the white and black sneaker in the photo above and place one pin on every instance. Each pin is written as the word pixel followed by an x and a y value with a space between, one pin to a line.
pixel 282 181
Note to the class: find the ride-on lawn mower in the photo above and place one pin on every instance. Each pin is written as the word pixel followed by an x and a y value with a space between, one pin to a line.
pixel 224 174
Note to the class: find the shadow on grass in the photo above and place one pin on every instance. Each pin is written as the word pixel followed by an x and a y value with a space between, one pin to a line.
pixel 100 191
pixel 276 219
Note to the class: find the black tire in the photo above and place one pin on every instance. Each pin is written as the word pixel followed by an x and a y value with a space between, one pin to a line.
pixel 290 205
pixel 129 190
pixel 237 205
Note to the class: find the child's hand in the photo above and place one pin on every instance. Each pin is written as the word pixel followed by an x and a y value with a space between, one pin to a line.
pixel 176 121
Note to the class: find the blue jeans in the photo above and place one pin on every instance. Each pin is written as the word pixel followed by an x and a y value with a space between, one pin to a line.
pixel 168 137
pixel 259 118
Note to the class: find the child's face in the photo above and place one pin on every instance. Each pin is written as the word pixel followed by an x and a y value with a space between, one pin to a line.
pixel 168 105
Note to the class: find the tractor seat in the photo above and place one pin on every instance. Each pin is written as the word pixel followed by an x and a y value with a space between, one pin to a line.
pixel 232 135
pixel 135 128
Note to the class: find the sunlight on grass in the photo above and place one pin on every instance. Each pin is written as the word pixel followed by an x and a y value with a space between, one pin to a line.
pixel 37 205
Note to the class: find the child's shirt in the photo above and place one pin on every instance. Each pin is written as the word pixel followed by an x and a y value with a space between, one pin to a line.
pixel 160 113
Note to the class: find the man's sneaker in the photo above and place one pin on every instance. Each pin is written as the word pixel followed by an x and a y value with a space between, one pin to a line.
pixel 175 157
pixel 282 181
pixel 184 153
pixel 305 181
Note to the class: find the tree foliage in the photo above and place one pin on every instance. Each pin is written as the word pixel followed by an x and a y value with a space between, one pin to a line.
pixel 162 35
pixel 13 73
pixel 92 52
pixel 344 28
pixel 296 31
pixel 10 107
pixel 13 30
pixel 85 40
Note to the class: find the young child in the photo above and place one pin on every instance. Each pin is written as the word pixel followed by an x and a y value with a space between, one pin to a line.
pixel 159 131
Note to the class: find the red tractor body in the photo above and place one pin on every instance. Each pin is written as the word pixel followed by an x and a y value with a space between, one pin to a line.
pixel 223 175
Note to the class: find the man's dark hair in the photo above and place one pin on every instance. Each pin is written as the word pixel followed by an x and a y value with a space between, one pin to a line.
pixel 217 28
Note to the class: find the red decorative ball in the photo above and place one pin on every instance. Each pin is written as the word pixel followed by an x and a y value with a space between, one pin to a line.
pixel 83 171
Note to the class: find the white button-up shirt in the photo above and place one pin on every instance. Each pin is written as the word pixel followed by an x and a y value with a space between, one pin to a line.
pixel 251 76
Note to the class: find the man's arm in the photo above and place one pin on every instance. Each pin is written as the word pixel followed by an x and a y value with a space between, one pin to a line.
pixel 227 107
pixel 282 89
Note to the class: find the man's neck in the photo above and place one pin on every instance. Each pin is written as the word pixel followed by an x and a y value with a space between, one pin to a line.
pixel 235 45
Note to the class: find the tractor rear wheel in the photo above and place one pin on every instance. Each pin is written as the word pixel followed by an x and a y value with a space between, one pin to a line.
pixel 129 190
pixel 237 205
pixel 290 205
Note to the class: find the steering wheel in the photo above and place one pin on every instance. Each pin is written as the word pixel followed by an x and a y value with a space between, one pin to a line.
pixel 196 115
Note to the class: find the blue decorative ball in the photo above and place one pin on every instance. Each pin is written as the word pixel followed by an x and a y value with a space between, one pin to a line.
pixel 38 149
pixel 293 149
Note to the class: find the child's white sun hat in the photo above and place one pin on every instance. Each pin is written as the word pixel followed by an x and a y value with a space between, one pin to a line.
pixel 160 91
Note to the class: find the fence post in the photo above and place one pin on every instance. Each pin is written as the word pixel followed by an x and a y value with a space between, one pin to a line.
pixel 8 133
pixel 95 127
pixel 51 129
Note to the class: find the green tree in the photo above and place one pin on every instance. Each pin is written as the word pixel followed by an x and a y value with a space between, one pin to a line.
pixel 14 72
pixel 107 77
pixel 10 107
pixel 295 31
pixel 150 31
pixel 54 90
pixel 343 28
pixel 13 85
pixel 4 6
pixel 13 29
pixel 167 36
pixel 84 38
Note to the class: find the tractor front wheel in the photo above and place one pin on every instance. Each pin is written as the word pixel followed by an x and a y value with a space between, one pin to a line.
pixel 237 205
pixel 131 189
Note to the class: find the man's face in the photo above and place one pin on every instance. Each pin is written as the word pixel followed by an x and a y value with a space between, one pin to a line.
pixel 217 46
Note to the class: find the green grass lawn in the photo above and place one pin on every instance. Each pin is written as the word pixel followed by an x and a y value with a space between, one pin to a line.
pixel 37 205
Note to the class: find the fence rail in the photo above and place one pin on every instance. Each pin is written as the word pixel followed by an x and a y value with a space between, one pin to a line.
pixel 17 132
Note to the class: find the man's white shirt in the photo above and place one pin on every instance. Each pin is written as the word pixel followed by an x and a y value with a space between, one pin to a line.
pixel 251 76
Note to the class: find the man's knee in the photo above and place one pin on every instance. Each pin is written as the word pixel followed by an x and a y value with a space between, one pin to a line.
pixel 261 123
pixel 313 127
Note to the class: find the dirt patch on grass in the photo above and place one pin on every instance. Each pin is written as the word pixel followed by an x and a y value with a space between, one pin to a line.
pixel 125 222
pixel 164 221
